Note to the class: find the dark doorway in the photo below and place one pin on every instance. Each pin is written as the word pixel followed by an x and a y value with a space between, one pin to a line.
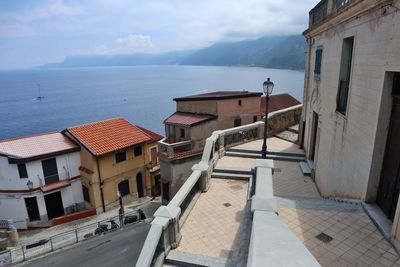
pixel 314 130
pixel 50 171
pixel 123 188
pixel 86 195
pixel 237 122
pixel 157 186
pixel 54 205
pixel 165 191
pixel 139 184
pixel 389 186
pixel 32 209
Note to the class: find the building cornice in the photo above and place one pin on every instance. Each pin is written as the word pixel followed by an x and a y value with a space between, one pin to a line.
pixel 354 10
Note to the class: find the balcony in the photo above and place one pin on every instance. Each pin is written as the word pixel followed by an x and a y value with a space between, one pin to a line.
pixel 177 150
pixel 325 9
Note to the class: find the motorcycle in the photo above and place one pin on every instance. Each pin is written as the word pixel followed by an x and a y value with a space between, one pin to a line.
pixel 105 227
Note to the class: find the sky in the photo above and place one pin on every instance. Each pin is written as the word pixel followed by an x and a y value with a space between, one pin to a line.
pixel 36 32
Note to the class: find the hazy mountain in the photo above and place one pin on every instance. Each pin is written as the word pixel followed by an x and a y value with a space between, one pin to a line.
pixel 272 52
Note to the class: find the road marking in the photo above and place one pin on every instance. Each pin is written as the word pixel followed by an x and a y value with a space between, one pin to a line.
pixel 98 245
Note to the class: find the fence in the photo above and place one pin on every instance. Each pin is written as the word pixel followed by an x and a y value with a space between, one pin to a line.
pixel 52 243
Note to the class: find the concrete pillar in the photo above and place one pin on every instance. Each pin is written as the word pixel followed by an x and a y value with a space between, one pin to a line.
pixel 205 177
pixel 168 217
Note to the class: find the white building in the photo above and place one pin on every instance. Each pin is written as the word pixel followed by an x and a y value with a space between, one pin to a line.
pixel 352 102
pixel 39 179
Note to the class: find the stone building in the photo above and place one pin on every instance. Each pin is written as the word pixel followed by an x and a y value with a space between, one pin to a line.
pixel 351 113
pixel 195 119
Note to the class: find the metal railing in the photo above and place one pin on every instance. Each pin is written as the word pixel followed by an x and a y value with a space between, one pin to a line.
pixel 39 247
pixel 326 8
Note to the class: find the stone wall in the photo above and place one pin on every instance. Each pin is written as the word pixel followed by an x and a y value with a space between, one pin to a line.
pixel 280 120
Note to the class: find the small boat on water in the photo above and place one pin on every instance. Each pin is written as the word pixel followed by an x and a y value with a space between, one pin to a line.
pixel 39 97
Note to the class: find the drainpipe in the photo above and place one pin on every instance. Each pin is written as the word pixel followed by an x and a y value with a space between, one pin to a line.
pixel 101 183
pixel 306 84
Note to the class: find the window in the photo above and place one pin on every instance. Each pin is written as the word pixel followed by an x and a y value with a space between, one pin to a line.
pixel 254 118
pixel 182 132
pixel 318 61
pixel 237 122
pixel 137 151
pixel 50 171
pixel 240 103
pixel 345 74
pixel 22 171
pixel 123 188
pixel 120 156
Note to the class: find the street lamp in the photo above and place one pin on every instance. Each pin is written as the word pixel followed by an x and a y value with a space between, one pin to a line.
pixel 268 86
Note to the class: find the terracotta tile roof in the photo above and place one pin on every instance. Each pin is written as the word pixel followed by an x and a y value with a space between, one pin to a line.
pixel 37 145
pixel 186 119
pixel 278 102
pixel 102 137
pixel 154 136
pixel 218 95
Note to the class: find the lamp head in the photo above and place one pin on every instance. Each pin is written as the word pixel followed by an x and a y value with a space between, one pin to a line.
pixel 268 86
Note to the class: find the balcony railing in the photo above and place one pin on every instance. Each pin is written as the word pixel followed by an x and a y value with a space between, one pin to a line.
pixel 325 9
pixel 51 179
pixel 179 149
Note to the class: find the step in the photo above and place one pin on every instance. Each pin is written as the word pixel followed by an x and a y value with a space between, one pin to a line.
pixel 179 258
pixel 294 128
pixel 268 153
pixel 288 136
pixel 232 170
pixel 305 168
pixel 233 176
pixel 269 156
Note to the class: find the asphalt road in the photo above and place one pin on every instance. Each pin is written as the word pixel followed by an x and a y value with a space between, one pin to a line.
pixel 119 248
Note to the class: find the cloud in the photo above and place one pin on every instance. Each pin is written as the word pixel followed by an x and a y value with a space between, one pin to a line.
pixel 124 45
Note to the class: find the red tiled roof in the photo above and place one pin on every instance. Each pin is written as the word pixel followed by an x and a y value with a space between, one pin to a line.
pixel 278 102
pixel 102 137
pixel 219 95
pixel 186 119
pixel 36 145
pixel 154 136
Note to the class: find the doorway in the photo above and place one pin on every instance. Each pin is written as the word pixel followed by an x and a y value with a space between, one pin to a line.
pixel 314 131
pixel 32 209
pixel 139 185
pixel 54 205
pixel 153 153
pixel 389 187
pixel 123 188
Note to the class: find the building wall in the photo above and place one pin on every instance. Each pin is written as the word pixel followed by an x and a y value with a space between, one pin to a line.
pixel 200 132
pixel 229 110
pixel 349 152
pixel 112 174
pixel 67 166
pixel 203 107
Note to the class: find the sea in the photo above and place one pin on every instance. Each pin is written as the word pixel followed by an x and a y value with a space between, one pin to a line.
pixel 141 94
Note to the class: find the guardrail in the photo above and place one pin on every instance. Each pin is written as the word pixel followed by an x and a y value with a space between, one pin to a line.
pixel 52 243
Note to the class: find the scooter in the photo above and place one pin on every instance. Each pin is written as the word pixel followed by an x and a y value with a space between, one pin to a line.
pixel 105 227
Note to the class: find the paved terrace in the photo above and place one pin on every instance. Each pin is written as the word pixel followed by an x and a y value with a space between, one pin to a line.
pixel 226 225
pixel 217 231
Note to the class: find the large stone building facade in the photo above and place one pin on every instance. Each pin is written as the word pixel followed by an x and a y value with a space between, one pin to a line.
pixel 351 111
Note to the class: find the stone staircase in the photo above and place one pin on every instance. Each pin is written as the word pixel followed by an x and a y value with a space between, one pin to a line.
pixel 232 173
pixel 246 153
pixel 184 259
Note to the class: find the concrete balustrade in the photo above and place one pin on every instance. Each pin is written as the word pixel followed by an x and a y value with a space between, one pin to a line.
pixel 272 243
pixel 164 233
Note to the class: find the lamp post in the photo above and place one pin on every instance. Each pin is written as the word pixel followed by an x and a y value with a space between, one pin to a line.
pixel 268 86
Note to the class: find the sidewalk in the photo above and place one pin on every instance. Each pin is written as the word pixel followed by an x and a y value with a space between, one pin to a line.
pixel 28 237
